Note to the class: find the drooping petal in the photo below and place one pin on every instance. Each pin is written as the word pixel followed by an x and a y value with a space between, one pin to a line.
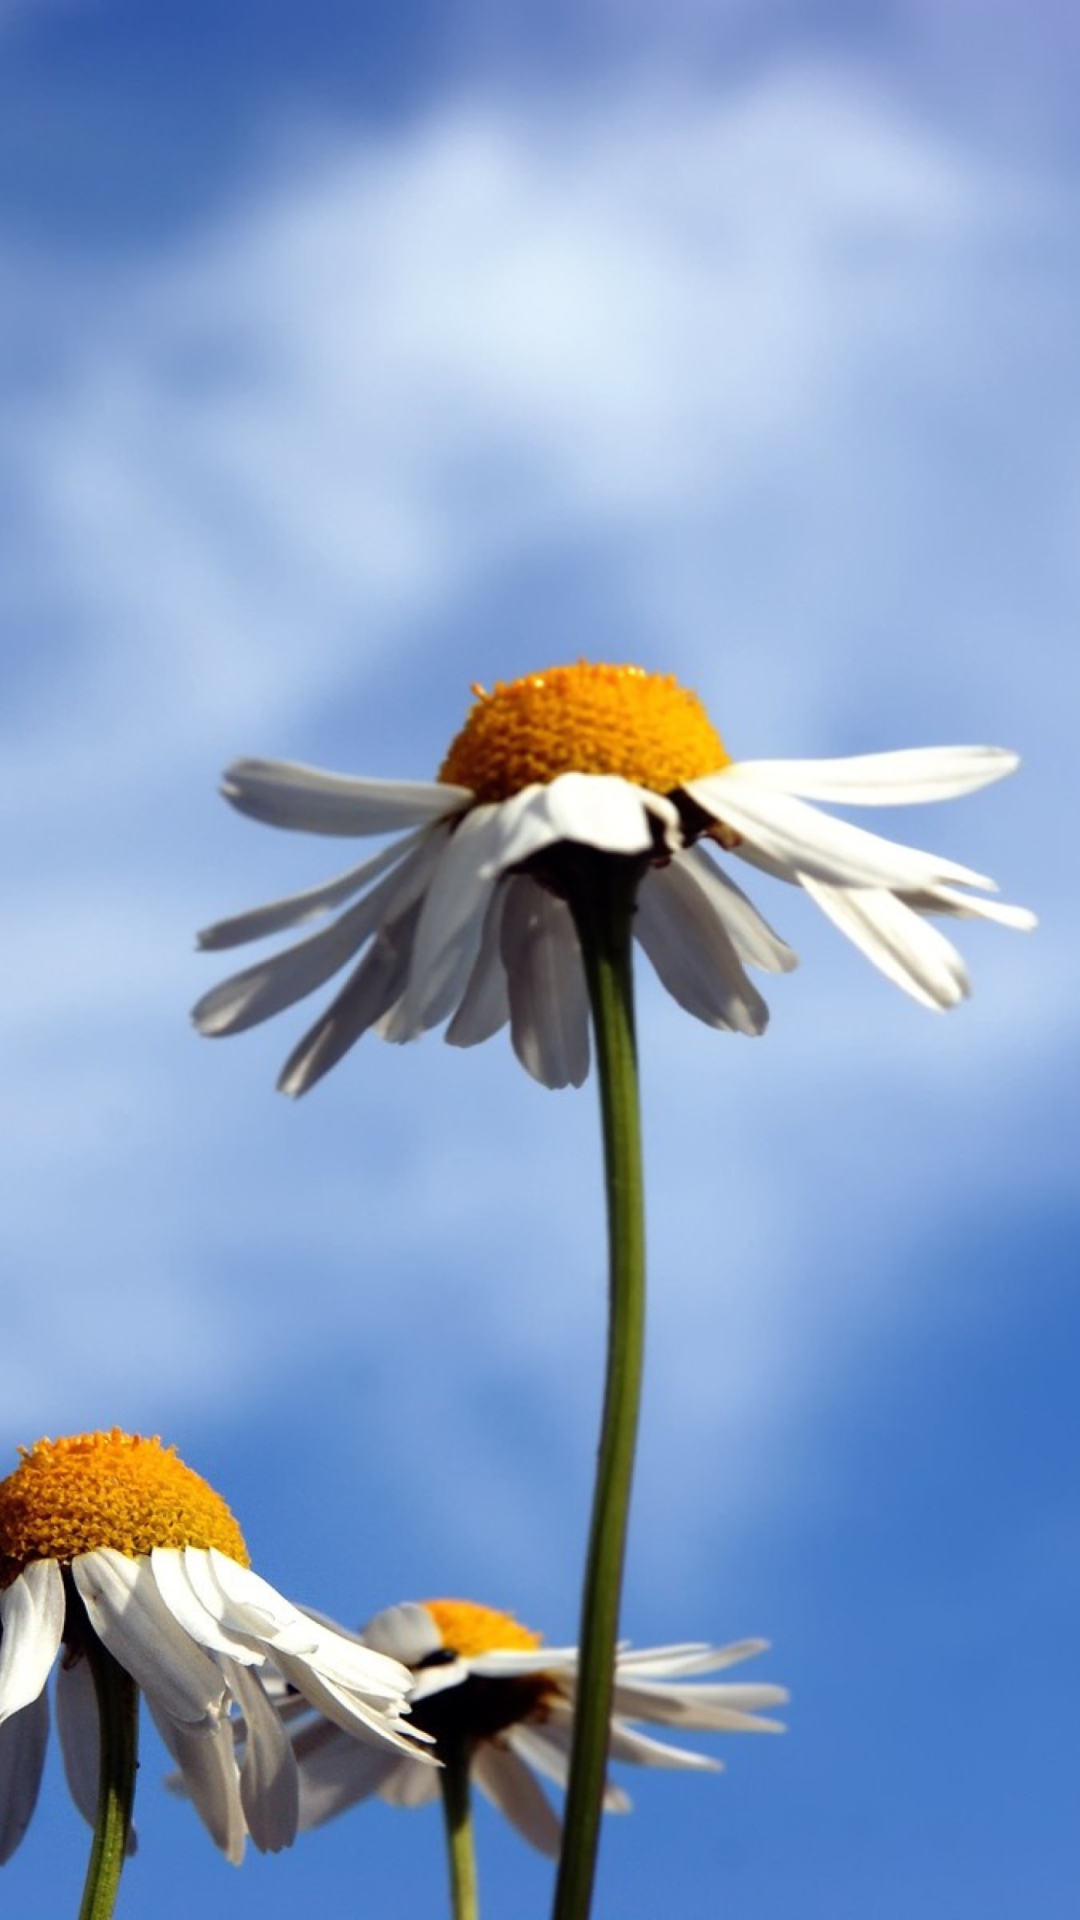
pixel 451 921
pixel 249 1606
pixel 295 908
pixel 130 1617
pixel 508 1783
pixel 24 1737
pixel 366 1001
pixel 410 1785
pixel 175 1570
pixel 271 985
pixel 967 906
pixel 31 1623
pixel 640 1750
pixel 545 1745
pixel 269 1786
pixel 899 779
pixel 336 1771
pixel 211 1778
pixel 806 841
pixel 350 1683
pixel 751 935
pixel 904 947
pixel 549 1004
pixel 77 1725
pixel 349 1707
pixel 708 1708
pixel 485 1003
pixel 306 800
pixel 678 925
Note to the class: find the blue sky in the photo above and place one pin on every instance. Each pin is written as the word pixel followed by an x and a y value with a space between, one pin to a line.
pixel 352 359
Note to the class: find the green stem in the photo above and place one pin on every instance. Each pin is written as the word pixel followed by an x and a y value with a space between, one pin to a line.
pixel 602 903
pixel 118 1721
pixel 457 1810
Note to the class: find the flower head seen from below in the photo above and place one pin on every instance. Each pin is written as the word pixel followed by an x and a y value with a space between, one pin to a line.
pixel 112 1536
pixel 481 1679
pixel 464 918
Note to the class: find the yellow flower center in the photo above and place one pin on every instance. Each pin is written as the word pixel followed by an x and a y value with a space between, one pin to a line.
pixel 587 718
pixel 467 1629
pixel 68 1497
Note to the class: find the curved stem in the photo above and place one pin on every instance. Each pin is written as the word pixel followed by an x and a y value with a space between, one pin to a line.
pixel 457 1811
pixel 602 903
pixel 118 1724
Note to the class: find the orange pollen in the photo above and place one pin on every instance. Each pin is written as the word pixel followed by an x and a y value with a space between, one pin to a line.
pixel 68 1497
pixel 643 727
pixel 468 1629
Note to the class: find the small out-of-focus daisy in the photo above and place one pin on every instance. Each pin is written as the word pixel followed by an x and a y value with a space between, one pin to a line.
pixel 110 1535
pixel 462 919
pixel 482 1679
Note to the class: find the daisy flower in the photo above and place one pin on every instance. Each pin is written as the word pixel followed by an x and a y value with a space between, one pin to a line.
pixel 480 1678
pixel 109 1537
pixel 462 918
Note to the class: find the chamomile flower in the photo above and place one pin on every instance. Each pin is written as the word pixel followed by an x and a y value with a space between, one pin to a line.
pixel 480 1678
pixel 111 1536
pixel 462 918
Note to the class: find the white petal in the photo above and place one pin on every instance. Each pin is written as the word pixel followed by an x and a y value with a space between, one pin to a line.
pixel 130 1617
pixel 211 1778
pixel 410 1785
pixel 751 935
pixel 337 1771
pixel 601 810
pixel 492 840
pixel 639 1750
pixel 912 954
pixel 966 906
pixel 347 1707
pixel 406 1632
pixel 678 925
pixel 545 1747
pixel 452 921
pixel 295 908
pixel 515 1791
pixel 549 1004
pixel 715 1708
pixel 545 1744
pixel 31 1623
pixel 176 1571
pixel 438 1678
pixel 805 841
pixel 262 990
pixel 691 1656
pixel 913 775
pixel 367 1001
pixel 249 1606
pixel 80 1736
pixel 24 1737
pixel 282 794
pixel 508 1662
pixel 485 1004
pixel 269 1786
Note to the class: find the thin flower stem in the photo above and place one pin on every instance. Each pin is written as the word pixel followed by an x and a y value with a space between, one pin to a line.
pixel 602 906
pixel 118 1722
pixel 457 1810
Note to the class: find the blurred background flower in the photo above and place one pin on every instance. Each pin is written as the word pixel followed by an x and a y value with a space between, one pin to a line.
pixel 483 1680
pixel 352 358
